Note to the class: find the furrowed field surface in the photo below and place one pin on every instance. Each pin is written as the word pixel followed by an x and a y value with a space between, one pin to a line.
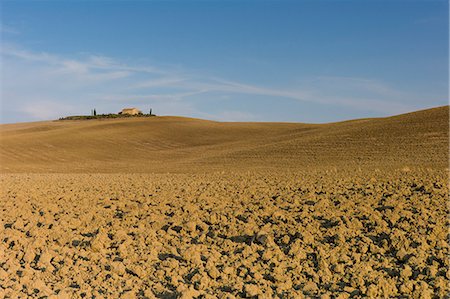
pixel 176 144
pixel 181 208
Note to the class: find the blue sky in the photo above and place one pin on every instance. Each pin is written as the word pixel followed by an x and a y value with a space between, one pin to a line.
pixel 301 61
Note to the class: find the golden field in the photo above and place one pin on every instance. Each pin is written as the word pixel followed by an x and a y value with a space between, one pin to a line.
pixel 171 207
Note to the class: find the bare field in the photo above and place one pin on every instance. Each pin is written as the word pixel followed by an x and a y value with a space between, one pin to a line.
pixel 184 208
pixel 176 144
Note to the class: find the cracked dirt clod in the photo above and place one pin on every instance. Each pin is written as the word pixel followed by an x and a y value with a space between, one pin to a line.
pixel 283 247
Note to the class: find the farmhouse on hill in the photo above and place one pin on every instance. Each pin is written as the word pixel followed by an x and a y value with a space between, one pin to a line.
pixel 130 111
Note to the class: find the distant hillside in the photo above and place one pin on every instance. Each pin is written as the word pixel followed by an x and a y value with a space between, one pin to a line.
pixel 176 144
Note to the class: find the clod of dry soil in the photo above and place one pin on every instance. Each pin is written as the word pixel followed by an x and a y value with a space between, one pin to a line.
pixel 327 235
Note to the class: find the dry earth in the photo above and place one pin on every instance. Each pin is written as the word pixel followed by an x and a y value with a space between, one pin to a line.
pixel 225 210
pixel 175 144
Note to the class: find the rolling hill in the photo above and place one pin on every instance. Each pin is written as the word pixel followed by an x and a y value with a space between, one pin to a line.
pixel 177 144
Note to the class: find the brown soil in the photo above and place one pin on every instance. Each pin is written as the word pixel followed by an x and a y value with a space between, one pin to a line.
pixel 175 144
pixel 186 208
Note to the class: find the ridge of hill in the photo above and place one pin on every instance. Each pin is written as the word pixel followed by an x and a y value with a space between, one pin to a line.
pixel 177 144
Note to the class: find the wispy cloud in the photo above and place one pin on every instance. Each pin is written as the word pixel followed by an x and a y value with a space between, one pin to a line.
pixel 374 95
pixel 45 85
pixel 81 65
pixel 159 82
pixel 45 109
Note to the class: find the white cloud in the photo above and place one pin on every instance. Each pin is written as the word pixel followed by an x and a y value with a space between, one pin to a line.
pixel 375 96
pixel 35 82
pixel 46 109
